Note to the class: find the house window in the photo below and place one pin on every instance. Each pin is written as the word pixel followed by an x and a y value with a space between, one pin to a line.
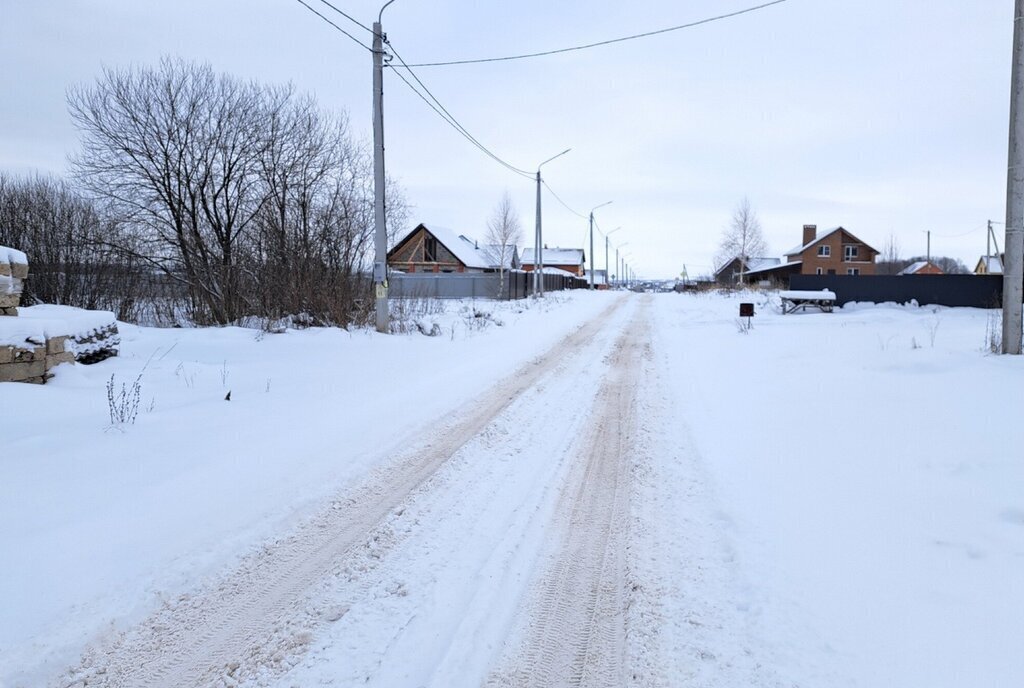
pixel 831 271
pixel 818 271
pixel 824 251
pixel 430 249
pixel 853 271
pixel 850 253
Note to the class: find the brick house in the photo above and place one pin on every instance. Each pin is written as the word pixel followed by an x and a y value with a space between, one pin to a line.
pixel 438 249
pixel 836 252
pixel 568 259
pixel 921 267
pixel 989 265
pixel 729 273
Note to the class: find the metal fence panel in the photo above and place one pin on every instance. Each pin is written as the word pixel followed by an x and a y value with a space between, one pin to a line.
pixel 978 291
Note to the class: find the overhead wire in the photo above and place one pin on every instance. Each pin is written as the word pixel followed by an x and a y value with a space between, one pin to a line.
pixel 963 234
pixel 597 44
pixel 447 116
pixel 348 16
pixel 314 11
pixel 559 199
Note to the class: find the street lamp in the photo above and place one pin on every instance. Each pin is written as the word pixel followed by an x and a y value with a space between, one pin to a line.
pixel 607 274
pixel 618 265
pixel 625 267
pixel 538 237
pixel 592 241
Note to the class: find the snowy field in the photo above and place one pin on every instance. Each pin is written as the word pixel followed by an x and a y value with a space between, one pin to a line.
pixel 825 499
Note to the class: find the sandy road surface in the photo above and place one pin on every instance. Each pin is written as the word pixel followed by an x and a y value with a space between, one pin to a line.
pixel 574 626
pixel 255 624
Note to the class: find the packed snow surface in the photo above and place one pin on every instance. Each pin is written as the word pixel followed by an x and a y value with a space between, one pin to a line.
pixel 823 499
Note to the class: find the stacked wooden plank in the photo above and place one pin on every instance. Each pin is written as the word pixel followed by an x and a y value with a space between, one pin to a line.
pixel 13 271
pixel 32 361
pixel 43 337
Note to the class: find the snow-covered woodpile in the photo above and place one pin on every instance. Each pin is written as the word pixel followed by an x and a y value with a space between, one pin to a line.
pixel 42 337
pixel 32 362
pixel 13 271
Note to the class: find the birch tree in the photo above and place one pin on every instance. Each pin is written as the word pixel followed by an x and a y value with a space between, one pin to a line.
pixel 743 237
pixel 504 231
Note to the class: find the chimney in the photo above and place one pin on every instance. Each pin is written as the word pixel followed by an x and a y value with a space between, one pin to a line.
pixel 810 233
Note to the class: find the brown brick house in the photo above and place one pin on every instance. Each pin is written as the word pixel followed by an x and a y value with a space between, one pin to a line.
pixel 921 267
pixel 836 252
pixel 568 259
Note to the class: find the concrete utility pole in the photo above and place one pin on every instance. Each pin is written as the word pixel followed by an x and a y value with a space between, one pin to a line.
pixel 537 281
pixel 1013 266
pixel 380 258
pixel 592 241
pixel 538 251
pixel 988 247
pixel 607 272
pixel 928 247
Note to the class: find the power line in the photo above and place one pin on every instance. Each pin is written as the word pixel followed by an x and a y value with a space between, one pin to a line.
pixel 359 42
pixel 564 204
pixel 621 39
pixel 963 234
pixel 443 112
pixel 348 16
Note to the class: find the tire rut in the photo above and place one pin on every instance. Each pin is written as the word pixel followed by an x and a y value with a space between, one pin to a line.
pixel 249 622
pixel 573 630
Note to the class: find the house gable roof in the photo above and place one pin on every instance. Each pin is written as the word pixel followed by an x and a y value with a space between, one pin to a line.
pixel 797 250
pixel 793 265
pixel 914 268
pixel 554 256
pixel 465 250
pixel 993 265
pixel 752 264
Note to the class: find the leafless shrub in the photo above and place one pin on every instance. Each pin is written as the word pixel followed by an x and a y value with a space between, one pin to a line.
pixel 123 404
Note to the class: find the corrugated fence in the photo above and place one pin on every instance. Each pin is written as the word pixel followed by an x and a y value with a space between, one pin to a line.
pixel 475 285
pixel 979 291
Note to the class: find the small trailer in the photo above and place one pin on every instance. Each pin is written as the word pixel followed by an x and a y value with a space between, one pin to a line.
pixel 792 301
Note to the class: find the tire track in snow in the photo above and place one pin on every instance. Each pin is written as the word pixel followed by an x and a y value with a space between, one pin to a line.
pixel 251 621
pixel 573 631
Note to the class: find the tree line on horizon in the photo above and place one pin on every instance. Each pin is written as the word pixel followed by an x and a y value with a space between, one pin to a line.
pixel 201 198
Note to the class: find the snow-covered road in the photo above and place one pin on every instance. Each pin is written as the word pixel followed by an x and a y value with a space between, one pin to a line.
pixel 414 576
pixel 601 493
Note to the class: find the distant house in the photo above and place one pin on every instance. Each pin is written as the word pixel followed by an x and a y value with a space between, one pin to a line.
pixel 600 278
pixel 729 273
pixel 836 252
pixel 438 249
pixel 989 265
pixel 921 267
pixel 568 259
pixel 767 275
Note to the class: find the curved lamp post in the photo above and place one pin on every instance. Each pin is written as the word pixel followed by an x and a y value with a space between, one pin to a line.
pixel 538 236
pixel 592 241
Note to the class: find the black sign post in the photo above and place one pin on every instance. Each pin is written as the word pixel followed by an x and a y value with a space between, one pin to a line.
pixel 747 311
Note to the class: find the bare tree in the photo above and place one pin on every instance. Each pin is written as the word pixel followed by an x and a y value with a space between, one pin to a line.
pixel 176 150
pixel 889 261
pixel 67 240
pixel 249 196
pixel 504 231
pixel 743 238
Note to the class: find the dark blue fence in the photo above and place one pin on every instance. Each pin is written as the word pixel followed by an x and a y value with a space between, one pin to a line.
pixel 979 291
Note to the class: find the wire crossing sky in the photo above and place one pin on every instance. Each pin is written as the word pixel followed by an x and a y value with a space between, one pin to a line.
pixel 586 46
pixel 886 118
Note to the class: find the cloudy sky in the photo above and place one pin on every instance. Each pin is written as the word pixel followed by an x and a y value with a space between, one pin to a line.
pixel 889 118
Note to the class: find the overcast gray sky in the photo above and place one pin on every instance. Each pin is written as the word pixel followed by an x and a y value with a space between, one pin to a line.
pixel 884 117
